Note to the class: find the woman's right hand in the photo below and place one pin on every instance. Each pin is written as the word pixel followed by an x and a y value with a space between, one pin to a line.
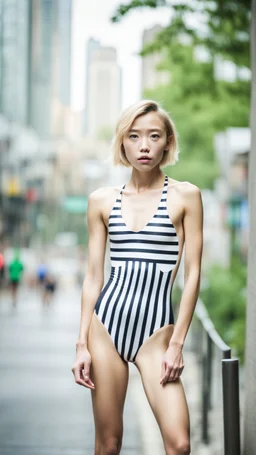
pixel 81 368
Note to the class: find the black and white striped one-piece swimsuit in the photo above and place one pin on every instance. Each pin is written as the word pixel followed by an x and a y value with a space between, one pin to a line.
pixel 136 300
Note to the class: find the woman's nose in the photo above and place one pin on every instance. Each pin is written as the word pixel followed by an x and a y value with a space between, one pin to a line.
pixel 144 144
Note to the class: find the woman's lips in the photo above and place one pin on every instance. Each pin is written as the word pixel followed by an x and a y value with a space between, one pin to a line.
pixel 144 160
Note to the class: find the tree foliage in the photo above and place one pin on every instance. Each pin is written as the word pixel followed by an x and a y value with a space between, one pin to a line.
pixel 200 104
pixel 225 299
pixel 226 30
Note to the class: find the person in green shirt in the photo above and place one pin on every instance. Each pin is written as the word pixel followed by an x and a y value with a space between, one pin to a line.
pixel 15 268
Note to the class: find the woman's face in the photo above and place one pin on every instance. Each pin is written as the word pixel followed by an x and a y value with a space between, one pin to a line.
pixel 147 139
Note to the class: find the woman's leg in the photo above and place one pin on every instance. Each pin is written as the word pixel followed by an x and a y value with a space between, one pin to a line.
pixel 168 401
pixel 110 376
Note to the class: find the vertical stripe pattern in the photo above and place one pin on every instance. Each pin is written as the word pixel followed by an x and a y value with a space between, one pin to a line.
pixel 136 300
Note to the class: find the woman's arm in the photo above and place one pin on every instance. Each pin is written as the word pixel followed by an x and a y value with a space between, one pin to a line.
pixel 94 278
pixel 172 365
pixel 193 233
pixel 92 284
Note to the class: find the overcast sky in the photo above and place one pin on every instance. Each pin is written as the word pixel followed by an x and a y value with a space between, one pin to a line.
pixel 92 19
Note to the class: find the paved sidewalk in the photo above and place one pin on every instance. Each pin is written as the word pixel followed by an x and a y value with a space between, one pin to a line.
pixel 43 411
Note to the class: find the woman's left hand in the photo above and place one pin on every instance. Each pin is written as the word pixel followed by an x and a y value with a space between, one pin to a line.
pixel 172 363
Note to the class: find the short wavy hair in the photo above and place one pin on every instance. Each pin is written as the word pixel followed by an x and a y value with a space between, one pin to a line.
pixel 125 122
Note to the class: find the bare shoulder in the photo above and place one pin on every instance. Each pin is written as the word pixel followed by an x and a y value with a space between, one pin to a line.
pixel 186 189
pixel 102 199
pixel 103 194
pixel 98 195
pixel 187 199
pixel 190 190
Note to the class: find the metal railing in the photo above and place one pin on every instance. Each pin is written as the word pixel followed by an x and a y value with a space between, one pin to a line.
pixel 217 366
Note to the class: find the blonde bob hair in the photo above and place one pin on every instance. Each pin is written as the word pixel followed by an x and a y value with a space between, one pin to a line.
pixel 128 116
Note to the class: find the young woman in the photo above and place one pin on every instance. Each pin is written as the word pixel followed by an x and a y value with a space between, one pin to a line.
pixel 130 319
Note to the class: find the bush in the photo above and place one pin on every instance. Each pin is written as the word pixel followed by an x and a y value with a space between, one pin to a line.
pixel 225 300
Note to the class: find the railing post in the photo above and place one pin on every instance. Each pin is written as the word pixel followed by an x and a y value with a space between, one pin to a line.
pixel 205 405
pixel 231 412
pixel 207 388
pixel 206 383
pixel 209 370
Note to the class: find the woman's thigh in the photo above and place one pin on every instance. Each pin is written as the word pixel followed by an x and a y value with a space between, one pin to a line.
pixel 168 401
pixel 109 374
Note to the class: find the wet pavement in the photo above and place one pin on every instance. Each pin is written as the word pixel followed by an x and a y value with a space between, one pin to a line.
pixel 42 410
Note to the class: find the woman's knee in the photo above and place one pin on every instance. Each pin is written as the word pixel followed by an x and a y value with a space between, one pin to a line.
pixel 179 447
pixel 110 445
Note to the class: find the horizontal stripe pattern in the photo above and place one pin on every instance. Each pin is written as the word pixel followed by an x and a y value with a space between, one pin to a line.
pixel 136 301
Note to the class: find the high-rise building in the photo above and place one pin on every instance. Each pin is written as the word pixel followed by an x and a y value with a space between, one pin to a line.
pixel 44 64
pixel 15 59
pixel 65 21
pixel 91 47
pixel 151 76
pixel 50 64
pixel 104 92
pixel 35 62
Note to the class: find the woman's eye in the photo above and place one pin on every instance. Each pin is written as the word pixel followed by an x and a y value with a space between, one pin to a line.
pixel 133 136
pixel 155 136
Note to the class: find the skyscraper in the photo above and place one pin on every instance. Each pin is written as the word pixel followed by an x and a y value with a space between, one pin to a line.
pixel 91 47
pixel 35 61
pixel 50 62
pixel 151 76
pixel 15 59
pixel 104 92
pixel 65 16
pixel 44 64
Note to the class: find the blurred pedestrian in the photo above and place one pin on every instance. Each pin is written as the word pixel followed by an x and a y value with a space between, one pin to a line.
pixel 15 269
pixel 50 285
pixel 2 269
pixel 41 273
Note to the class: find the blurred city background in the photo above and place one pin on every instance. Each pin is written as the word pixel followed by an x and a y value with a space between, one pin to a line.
pixel 67 69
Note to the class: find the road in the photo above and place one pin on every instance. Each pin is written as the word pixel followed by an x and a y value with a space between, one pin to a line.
pixel 42 410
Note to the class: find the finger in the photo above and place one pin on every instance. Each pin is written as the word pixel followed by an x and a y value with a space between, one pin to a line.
pixel 80 379
pixel 86 375
pixel 173 374
pixel 177 373
pixel 162 371
pixel 85 384
pixel 181 369
pixel 166 375
pixel 85 380
pixel 86 370
pixel 89 381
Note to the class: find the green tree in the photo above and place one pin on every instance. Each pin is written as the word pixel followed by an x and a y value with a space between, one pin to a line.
pixel 199 104
pixel 225 24
pixel 225 300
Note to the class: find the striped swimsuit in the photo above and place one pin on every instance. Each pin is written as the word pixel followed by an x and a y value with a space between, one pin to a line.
pixel 136 300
